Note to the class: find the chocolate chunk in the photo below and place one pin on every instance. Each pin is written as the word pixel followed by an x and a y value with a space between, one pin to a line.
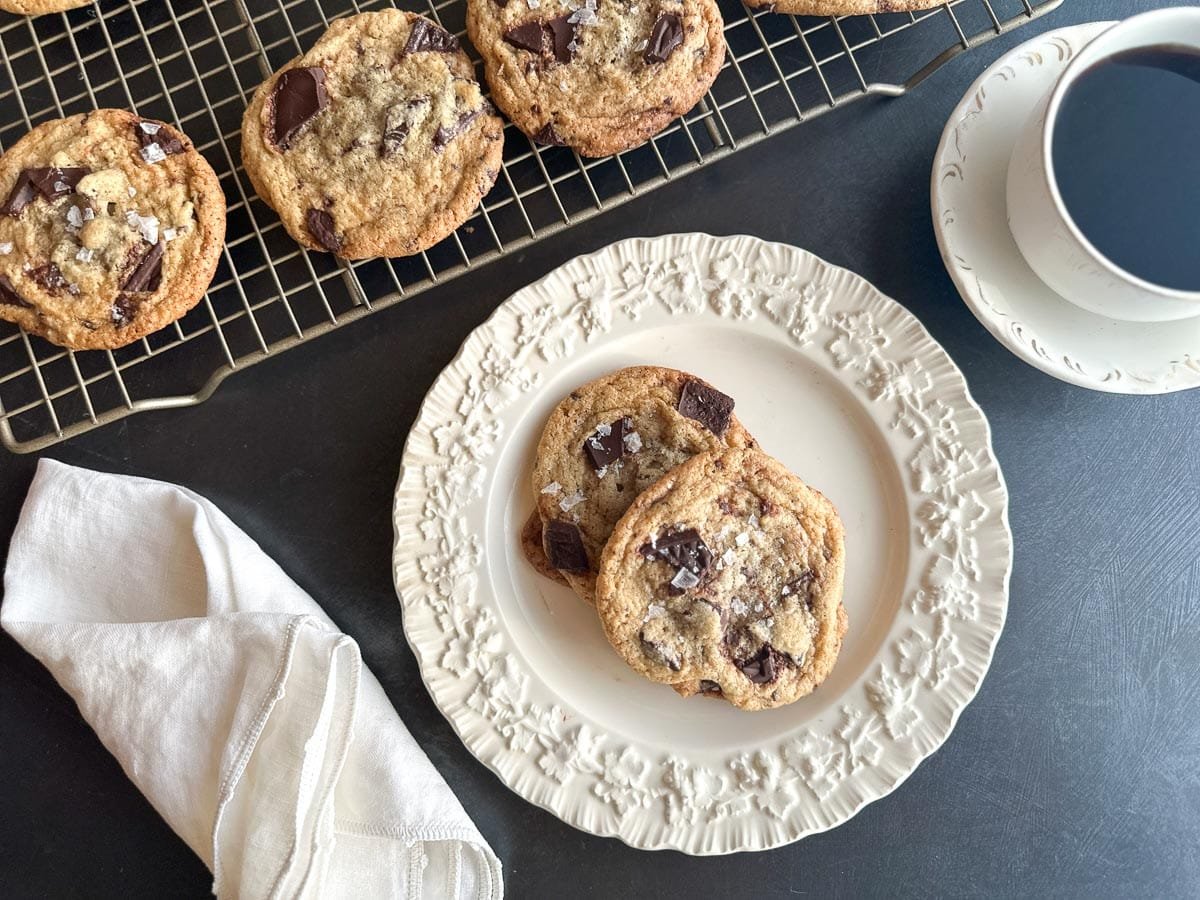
pixel 446 133
pixel 124 310
pixel 298 96
pixel 555 36
pixel 9 295
pixel 155 133
pixel 564 546
pixel 529 36
pixel 21 196
pixel 665 37
pixel 605 449
pixel 563 34
pixel 321 226
pixel 49 276
pixel 547 136
pixel 146 274
pixel 706 405
pixel 50 183
pixel 764 667
pixel 683 549
pixel 427 37
pixel 660 652
pixel 54 182
pixel 801 586
pixel 709 687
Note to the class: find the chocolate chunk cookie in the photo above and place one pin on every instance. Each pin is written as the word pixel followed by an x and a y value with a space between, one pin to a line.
pixel 600 76
pixel 608 441
pixel 725 577
pixel 377 141
pixel 110 228
pixel 40 7
pixel 841 7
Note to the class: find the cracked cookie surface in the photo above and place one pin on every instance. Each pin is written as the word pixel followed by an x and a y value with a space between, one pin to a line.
pixel 606 442
pixel 725 578
pixel 599 76
pixel 112 228
pixel 377 141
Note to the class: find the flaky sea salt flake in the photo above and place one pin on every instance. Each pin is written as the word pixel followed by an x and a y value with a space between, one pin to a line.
pixel 552 488
pixel 153 153
pixel 685 579
pixel 569 502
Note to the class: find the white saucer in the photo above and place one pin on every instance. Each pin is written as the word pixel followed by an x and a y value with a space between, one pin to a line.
pixel 1025 315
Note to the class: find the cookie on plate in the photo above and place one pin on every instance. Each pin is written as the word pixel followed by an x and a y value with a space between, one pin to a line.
pixel 111 228
pixel 600 77
pixel 725 578
pixel 609 440
pixel 841 7
pixel 377 141
pixel 40 7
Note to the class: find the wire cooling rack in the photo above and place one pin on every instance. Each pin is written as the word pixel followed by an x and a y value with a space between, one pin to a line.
pixel 196 63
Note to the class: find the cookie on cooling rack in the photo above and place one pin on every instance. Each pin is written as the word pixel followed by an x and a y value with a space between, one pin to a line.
pixel 599 77
pixel 841 7
pixel 377 141
pixel 725 578
pixel 40 7
pixel 111 229
pixel 605 443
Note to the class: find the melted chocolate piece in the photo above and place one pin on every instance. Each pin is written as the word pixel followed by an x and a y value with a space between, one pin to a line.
pixel 665 38
pixel 446 133
pixel 683 549
pixel 529 36
pixel 555 37
pixel 323 229
pixel 9 295
pixel 706 405
pixel 22 194
pixel 764 667
pixel 167 142
pixel 50 277
pixel 547 136
pixel 427 37
pixel 54 182
pixel 146 275
pixel 124 310
pixel 50 183
pixel 604 450
pixel 298 96
pixel 563 34
pixel 564 546
pixel 657 651
pixel 709 687
pixel 801 585
pixel 398 124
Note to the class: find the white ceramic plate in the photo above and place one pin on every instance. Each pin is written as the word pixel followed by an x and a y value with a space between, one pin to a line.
pixel 1016 306
pixel 836 380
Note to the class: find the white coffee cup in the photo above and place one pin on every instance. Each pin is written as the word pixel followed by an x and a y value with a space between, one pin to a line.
pixel 1049 239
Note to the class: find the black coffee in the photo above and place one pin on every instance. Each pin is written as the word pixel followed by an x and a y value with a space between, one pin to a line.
pixel 1126 152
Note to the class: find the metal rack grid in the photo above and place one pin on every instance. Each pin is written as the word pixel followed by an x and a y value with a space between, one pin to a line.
pixel 196 63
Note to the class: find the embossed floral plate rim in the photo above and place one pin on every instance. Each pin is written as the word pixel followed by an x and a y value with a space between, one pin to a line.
pixel 931 662
pixel 995 282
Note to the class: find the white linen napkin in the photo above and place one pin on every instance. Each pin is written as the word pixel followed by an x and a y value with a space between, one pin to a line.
pixel 233 703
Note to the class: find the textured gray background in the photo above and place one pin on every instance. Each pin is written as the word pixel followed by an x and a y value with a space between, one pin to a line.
pixel 1076 771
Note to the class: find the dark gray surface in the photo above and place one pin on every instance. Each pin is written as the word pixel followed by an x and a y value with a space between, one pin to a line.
pixel 1075 772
